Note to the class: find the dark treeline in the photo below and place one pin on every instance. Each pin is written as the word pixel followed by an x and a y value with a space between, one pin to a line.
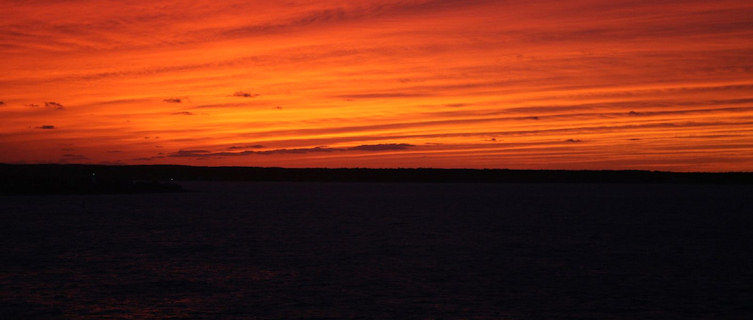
pixel 53 178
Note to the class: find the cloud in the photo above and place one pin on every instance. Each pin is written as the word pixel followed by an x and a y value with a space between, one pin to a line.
pixel 112 163
pixel 32 105
pixel 172 100
pixel 245 94
pixel 381 95
pixel 46 127
pixel 333 15
pixel 53 105
pixel 248 103
pixel 382 147
pixel 69 157
pixel 569 110
pixel 189 153
pixel 75 156
pixel 2 103
pixel 471 67
pixel 256 146
pixel 183 113
pixel 311 18
pixel 366 147
pixel 573 140
pixel 294 151
pixel 148 158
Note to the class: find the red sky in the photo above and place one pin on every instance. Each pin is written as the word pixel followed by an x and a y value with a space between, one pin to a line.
pixel 587 84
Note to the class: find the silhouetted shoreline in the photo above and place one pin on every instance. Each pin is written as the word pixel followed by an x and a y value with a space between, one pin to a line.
pixel 74 178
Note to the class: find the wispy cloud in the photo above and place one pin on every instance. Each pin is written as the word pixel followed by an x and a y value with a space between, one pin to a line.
pixel 54 105
pixel 157 157
pixel 382 83
pixel 245 94
pixel 321 149
pixel 69 158
pixel 256 146
pixel 382 95
pixel 189 153
pixel 382 147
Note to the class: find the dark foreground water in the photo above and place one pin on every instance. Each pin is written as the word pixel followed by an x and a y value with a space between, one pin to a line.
pixel 383 251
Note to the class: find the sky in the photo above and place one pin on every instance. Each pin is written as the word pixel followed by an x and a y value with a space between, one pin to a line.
pixel 536 84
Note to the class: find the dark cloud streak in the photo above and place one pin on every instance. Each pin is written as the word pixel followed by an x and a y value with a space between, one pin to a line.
pixel 257 146
pixel 245 94
pixel 69 157
pixel 322 149
pixel 54 105
pixel 382 95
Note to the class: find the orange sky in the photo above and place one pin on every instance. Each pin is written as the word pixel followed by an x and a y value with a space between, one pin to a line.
pixel 586 84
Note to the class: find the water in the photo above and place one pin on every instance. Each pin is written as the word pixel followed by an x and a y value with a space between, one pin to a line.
pixel 413 251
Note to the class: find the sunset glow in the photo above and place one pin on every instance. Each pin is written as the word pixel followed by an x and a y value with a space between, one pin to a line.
pixel 585 84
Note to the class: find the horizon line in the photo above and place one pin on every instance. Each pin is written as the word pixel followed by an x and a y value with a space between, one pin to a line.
pixel 374 168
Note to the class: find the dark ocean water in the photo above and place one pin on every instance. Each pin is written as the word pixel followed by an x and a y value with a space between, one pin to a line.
pixel 381 251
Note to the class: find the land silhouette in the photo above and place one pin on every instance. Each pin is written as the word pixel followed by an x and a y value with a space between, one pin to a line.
pixel 81 179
